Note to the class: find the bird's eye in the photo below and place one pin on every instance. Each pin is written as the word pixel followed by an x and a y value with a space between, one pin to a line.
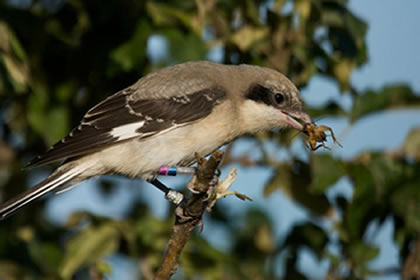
pixel 279 98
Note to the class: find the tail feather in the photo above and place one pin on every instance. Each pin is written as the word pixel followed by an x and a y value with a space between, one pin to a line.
pixel 56 180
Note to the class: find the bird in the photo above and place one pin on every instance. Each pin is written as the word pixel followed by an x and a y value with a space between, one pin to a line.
pixel 163 119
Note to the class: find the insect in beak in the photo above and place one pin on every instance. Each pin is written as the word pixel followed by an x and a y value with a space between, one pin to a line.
pixel 317 136
pixel 304 123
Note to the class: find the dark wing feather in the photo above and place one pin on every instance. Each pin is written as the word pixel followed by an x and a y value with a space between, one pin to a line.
pixel 153 116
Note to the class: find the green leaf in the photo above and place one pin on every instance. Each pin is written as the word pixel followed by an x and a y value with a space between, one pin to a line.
pixel 294 181
pixel 37 103
pixel 357 211
pixel 281 179
pixel 362 253
pixel 309 235
pixel 252 11
pixel 9 43
pixel 132 53
pixel 167 15
pixel 201 258
pixel 375 177
pixel 305 55
pixel 406 204
pixel 185 47
pixel 303 8
pixel 70 33
pixel 346 34
pixel 77 217
pixel 325 172
pixel 338 16
pixel 88 246
pixel 51 123
pixel 249 35
pixel 56 125
pixel 153 232
pixel 47 255
pixel 342 70
pixel 264 239
pixel 390 97
pixel 13 58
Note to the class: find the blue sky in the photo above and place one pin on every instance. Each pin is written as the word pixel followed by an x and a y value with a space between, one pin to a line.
pixel 394 51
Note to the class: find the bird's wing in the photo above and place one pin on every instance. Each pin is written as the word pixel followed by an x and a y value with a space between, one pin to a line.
pixel 127 115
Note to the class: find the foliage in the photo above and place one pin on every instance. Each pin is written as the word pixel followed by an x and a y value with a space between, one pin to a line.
pixel 58 58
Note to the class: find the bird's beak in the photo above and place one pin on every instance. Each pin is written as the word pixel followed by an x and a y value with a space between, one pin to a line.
pixel 296 119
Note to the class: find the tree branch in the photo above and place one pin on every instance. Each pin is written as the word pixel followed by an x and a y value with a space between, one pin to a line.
pixel 189 213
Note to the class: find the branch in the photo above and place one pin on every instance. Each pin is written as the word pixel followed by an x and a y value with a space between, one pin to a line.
pixel 411 267
pixel 189 213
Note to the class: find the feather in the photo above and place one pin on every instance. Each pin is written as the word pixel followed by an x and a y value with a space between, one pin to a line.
pixel 56 180
pixel 121 117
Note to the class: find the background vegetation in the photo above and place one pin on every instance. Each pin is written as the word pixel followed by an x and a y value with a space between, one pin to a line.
pixel 59 58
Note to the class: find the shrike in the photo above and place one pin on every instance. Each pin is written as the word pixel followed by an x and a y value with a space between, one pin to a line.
pixel 163 119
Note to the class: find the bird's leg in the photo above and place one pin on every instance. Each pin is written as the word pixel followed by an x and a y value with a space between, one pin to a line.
pixel 165 170
pixel 171 195
pixel 175 170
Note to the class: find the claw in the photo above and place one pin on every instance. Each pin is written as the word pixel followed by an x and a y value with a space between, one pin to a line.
pixel 222 189
pixel 213 185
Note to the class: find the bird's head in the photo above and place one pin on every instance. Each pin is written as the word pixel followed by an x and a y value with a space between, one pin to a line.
pixel 271 101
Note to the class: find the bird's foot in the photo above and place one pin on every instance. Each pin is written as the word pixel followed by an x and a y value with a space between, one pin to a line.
pixel 213 183
pixel 221 189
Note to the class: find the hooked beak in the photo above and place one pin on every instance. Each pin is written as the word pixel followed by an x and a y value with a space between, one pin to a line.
pixel 296 119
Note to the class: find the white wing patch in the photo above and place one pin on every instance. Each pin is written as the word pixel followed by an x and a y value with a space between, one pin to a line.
pixel 127 131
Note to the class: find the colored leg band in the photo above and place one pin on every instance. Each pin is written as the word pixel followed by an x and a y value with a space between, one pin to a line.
pixel 173 170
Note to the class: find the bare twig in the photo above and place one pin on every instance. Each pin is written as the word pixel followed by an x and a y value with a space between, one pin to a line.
pixel 189 213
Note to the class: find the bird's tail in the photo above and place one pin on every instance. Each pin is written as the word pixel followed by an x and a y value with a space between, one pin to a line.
pixel 61 177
